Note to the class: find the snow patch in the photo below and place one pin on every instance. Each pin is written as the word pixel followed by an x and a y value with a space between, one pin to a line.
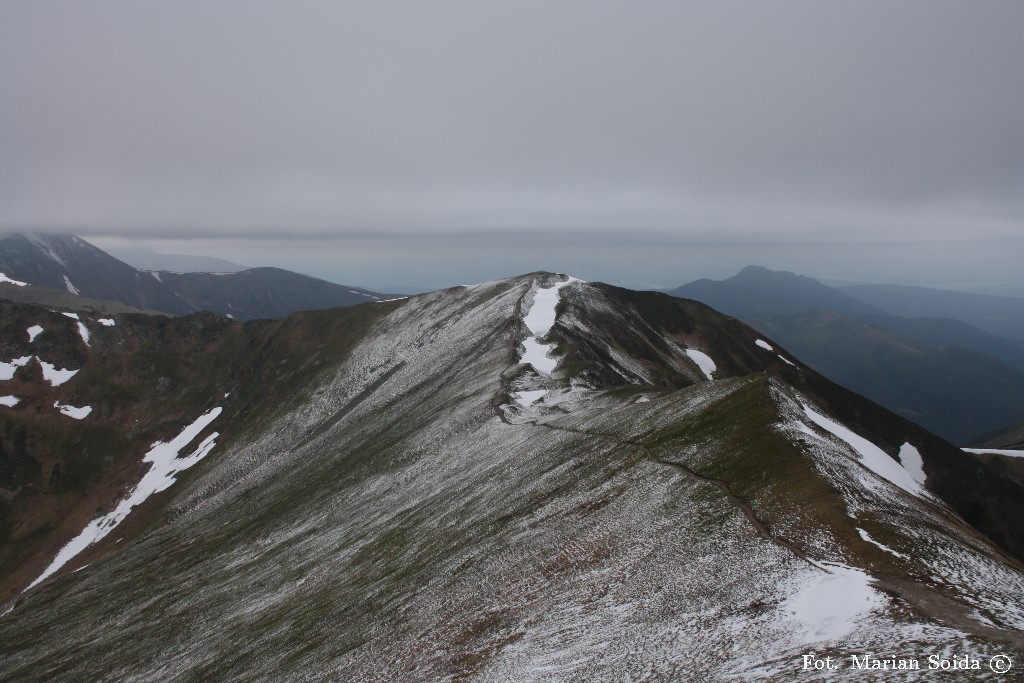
pixel 7 370
pixel 536 354
pixel 165 463
pixel 106 322
pixel 72 411
pixel 539 320
pixel 871 456
pixel 911 460
pixel 1012 454
pixel 71 287
pixel 34 332
pixel 527 398
pixel 830 605
pixel 866 537
pixel 54 376
pixel 155 275
pixel 82 329
pixel 786 360
pixel 9 401
pixel 19 283
pixel 764 345
pixel 703 361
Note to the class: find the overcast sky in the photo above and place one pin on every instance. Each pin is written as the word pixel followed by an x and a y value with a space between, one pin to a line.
pixel 421 144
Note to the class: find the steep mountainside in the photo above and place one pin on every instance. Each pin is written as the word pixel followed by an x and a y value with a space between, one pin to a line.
pixel 955 379
pixel 530 479
pixel 70 263
pixel 949 390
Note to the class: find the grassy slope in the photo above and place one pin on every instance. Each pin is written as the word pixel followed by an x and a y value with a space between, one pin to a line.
pixel 145 378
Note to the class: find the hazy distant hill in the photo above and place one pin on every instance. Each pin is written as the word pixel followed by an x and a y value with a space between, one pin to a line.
pixel 959 381
pixel 70 263
pixel 147 259
pixel 999 315
pixel 756 292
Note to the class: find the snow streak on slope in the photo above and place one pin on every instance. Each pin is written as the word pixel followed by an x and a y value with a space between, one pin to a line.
pixel 165 463
pixel 873 457
pixel 539 320
pixel 867 537
pixel 5 279
pixel 82 329
pixel 997 451
pixel 34 332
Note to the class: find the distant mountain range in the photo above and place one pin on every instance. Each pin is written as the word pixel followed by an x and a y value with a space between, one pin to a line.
pixel 999 315
pixel 958 379
pixel 70 264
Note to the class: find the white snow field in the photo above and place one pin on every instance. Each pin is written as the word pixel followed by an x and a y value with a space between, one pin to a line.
pixel 34 332
pixel 764 345
pixel 9 401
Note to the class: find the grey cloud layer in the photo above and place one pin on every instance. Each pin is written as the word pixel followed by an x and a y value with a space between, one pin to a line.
pixel 320 118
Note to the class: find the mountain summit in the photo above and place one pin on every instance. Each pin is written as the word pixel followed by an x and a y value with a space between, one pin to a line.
pixel 530 479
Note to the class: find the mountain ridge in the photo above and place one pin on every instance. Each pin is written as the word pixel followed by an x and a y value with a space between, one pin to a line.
pixel 67 262
pixel 890 359
pixel 402 505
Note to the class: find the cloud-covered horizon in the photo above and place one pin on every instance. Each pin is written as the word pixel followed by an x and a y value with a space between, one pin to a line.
pixel 789 125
